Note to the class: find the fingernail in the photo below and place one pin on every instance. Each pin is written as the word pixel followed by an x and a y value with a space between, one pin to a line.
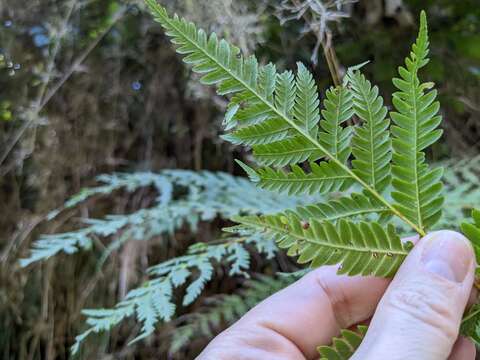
pixel 448 255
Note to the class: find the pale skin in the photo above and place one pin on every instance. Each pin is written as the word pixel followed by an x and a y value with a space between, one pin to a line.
pixel 414 316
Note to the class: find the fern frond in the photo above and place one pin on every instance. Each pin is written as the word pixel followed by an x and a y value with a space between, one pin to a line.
pixel 343 347
pixel 417 189
pixel 360 248
pixel 323 178
pixel 371 141
pixel 222 64
pixel 338 108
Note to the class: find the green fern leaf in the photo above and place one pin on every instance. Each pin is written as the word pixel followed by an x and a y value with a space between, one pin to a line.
pixel 286 152
pixel 343 347
pixel 371 142
pixel 417 189
pixel 266 132
pixel 338 108
pixel 323 178
pixel 267 81
pixel 360 248
pixel 285 93
pixel 348 207
pixel 305 110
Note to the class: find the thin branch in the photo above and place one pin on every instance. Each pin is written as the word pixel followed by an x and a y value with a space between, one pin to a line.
pixel 43 98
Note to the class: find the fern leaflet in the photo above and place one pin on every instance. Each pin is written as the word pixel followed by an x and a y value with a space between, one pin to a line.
pixel 323 178
pixel 338 109
pixel 305 110
pixel 343 347
pixel 417 188
pixel 347 207
pixel 363 248
pixel 371 142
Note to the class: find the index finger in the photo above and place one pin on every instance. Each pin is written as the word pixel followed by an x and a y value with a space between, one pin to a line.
pixel 311 311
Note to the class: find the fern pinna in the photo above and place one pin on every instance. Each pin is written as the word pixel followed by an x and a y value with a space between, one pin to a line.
pixel 377 169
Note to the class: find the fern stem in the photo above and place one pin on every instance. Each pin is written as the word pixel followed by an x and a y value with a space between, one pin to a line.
pixel 283 116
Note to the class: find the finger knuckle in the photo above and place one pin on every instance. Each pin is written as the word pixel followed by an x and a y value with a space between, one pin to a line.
pixel 340 302
pixel 431 307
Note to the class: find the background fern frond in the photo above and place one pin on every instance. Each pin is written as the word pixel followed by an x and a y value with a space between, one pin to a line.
pixel 220 311
pixel 153 301
pixel 371 141
pixel 203 196
pixel 417 189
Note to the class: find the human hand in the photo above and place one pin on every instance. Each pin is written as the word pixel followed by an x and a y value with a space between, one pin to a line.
pixel 415 316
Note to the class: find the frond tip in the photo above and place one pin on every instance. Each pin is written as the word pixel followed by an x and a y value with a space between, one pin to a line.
pixel 417 188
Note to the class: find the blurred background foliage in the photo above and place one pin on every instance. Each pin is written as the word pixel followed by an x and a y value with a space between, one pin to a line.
pixel 93 86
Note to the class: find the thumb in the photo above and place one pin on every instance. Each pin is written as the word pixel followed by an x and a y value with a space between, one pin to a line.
pixel 420 313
